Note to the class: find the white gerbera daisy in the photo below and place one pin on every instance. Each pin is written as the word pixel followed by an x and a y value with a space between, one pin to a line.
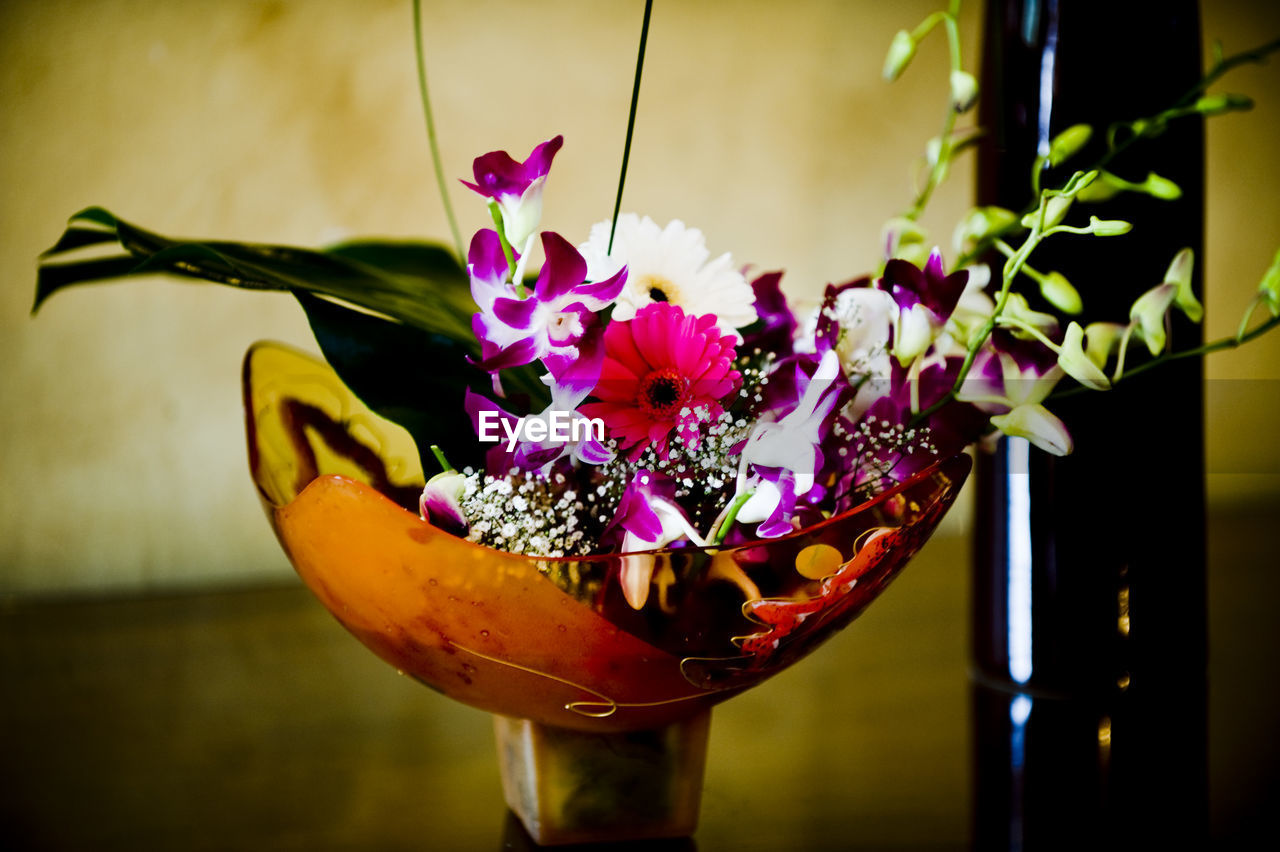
pixel 669 265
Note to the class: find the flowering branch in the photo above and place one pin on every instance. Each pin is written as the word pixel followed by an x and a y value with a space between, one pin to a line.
pixel 964 93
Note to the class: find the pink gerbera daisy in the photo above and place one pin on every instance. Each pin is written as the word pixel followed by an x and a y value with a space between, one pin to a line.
pixel 663 372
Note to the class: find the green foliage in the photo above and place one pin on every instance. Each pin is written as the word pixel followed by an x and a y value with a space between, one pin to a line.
pixel 393 318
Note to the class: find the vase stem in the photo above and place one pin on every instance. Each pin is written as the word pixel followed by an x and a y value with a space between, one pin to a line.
pixel 581 787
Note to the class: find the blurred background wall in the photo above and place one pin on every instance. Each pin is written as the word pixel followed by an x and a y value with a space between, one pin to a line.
pixel 764 124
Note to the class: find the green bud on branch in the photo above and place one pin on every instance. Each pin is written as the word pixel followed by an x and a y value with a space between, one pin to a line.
pixel 901 51
pixel 1222 104
pixel 964 91
pixel 1068 143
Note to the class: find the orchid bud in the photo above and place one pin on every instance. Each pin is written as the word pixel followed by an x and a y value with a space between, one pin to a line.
pixel 1106 187
pixel 439 504
pixel 1059 292
pixel 1077 364
pixel 1108 227
pixel 1068 143
pixel 1219 104
pixel 1160 187
pixel 1179 274
pixel 1038 425
pixel 1149 313
pixel 901 51
pixel 933 151
pixel 1079 182
pixel 964 91
pixel 1055 210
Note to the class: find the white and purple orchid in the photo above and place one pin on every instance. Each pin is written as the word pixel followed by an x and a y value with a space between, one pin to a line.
pixel 549 323
pixel 647 518
pixel 516 187
pixel 781 458
pixel 925 298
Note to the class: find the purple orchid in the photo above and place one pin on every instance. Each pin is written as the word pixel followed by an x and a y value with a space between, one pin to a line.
pixel 488 270
pixel 777 323
pixel 647 518
pixel 925 300
pixel 552 321
pixel 516 187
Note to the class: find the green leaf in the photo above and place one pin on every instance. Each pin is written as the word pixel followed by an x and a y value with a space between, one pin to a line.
pixel 417 284
pixel 408 360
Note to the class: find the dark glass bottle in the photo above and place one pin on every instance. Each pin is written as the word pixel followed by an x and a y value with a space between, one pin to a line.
pixel 1089 612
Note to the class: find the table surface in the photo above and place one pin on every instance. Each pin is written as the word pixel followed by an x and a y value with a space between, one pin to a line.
pixel 251 720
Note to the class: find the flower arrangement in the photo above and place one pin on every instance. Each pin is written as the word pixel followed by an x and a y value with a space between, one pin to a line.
pixel 632 396
pixel 636 393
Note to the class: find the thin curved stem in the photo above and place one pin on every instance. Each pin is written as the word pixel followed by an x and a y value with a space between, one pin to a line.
pixel 631 121
pixel 431 131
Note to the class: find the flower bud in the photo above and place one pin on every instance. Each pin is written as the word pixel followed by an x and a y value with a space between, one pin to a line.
pixel 1159 187
pixel 901 51
pixel 439 503
pixel 1109 227
pixel 964 91
pixel 1106 187
pixel 1068 143
pixel 1219 104
pixel 1055 210
pixel 1057 291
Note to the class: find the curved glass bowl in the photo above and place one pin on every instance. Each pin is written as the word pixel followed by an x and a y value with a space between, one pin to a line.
pixel 553 641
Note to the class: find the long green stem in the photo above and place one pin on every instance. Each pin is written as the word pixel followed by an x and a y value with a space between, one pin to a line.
pixel 431 131
pixel 631 121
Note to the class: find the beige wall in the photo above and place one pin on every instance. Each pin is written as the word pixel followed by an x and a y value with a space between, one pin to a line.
pixel 765 124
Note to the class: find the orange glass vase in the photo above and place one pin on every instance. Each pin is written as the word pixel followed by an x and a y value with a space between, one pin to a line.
pixel 601 710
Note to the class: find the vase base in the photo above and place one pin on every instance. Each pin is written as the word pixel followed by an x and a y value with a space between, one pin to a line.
pixel 578 787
